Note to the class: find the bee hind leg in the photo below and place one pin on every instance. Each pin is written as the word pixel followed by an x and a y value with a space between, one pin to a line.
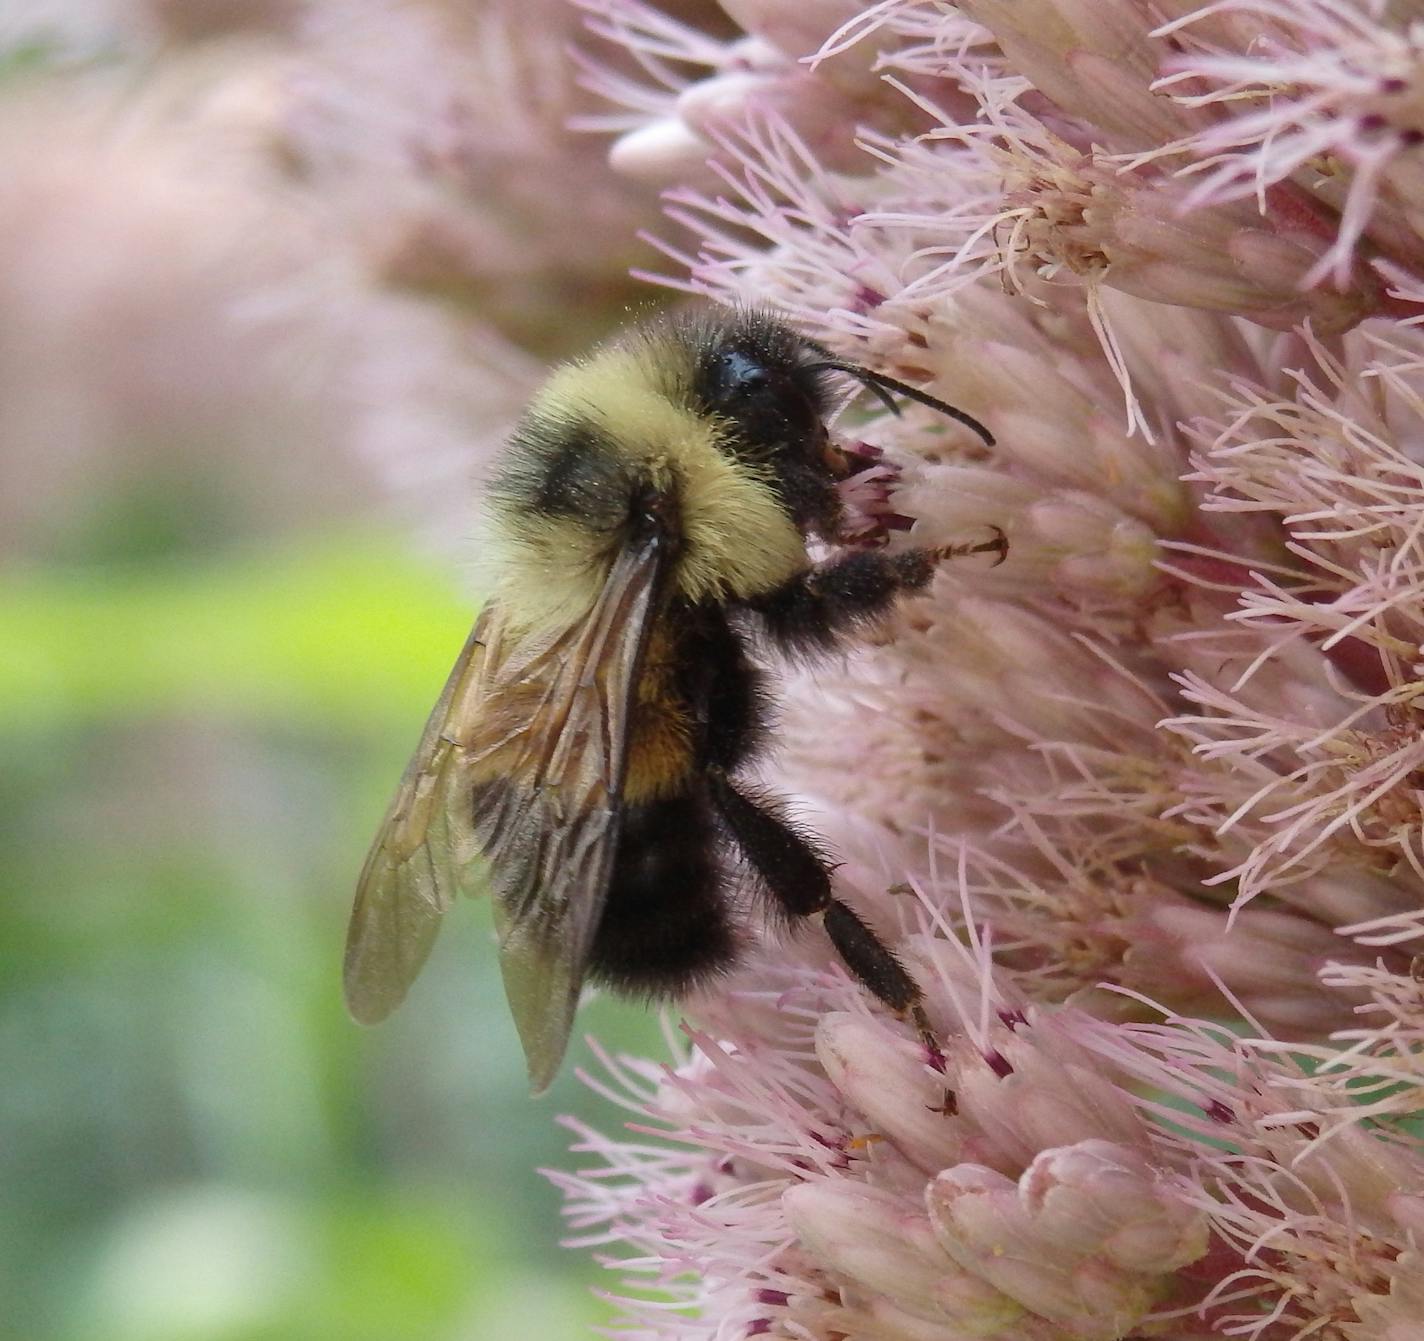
pixel 795 875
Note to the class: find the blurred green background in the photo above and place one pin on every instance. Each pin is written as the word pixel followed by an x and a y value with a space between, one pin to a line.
pixel 196 1144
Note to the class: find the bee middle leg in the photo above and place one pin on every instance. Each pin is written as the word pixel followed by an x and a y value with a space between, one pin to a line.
pixel 797 876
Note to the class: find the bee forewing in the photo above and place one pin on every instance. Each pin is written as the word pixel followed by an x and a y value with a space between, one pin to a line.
pixel 522 763
pixel 424 852
pixel 548 820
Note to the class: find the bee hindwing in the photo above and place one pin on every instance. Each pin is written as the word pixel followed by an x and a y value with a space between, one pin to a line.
pixel 423 852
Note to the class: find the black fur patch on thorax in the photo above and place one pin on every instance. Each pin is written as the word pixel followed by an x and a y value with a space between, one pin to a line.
pixel 564 466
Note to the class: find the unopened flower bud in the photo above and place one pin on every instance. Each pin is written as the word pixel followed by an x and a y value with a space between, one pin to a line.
pixel 1045 1100
pixel 885 1244
pixel 1092 545
pixel 1268 959
pixel 1133 231
pixel 1095 58
pixel 1084 1238
pixel 663 150
pixel 885 1078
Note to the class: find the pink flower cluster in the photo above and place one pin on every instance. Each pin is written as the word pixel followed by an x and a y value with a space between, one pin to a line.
pixel 1144 806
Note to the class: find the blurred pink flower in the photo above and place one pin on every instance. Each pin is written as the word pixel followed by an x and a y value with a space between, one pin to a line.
pixel 669 126
pixel 245 237
pixel 1144 806
pixel 436 138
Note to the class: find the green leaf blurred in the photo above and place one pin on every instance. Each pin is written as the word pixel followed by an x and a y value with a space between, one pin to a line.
pixel 352 631
pixel 196 1143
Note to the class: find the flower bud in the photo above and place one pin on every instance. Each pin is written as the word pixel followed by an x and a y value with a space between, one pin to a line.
pixel 1095 58
pixel 1085 1238
pixel 1267 959
pixel 886 1244
pixel 1093 547
pixel 1050 427
pixel 662 151
pixel 884 1077
pixel 1134 232
pixel 1045 1100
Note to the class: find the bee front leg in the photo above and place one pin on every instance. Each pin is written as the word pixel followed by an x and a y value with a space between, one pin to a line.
pixel 813 610
pixel 796 876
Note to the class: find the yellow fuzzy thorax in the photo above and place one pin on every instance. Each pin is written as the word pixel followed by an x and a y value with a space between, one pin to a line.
pixel 737 539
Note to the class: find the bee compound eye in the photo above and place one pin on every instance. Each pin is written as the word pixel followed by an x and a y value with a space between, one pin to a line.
pixel 738 376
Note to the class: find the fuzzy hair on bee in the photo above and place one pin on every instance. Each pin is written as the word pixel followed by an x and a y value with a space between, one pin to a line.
pixel 646 526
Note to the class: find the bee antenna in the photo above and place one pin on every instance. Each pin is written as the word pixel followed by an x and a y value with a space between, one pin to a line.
pixel 881 385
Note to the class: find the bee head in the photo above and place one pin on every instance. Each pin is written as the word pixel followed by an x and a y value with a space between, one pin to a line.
pixel 773 388
pixel 755 375
pixel 758 378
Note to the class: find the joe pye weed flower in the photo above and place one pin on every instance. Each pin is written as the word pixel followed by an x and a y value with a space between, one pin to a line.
pixel 1142 806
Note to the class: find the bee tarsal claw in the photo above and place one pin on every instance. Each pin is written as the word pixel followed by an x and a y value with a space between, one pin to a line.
pixel 998 545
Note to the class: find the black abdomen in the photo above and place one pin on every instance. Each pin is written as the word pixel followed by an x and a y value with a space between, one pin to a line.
pixel 667 924
pixel 670 917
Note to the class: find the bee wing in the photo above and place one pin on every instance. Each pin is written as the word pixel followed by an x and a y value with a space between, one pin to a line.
pixel 422 854
pixel 548 818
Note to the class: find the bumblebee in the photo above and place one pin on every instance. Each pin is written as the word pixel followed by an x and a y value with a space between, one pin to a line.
pixel 648 523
